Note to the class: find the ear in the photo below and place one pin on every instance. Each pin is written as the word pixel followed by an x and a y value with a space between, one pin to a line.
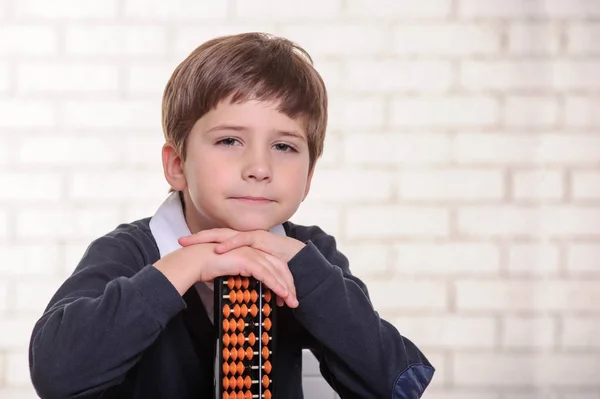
pixel 173 167
pixel 308 181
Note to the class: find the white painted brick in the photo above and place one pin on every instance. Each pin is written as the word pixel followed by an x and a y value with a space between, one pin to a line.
pixel 3 292
pixel 533 38
pixel 440 259
pixel 116 40
pixel 538 184
pixel 531 111
pixel 28 186
pixel 5 151
pixel 450 184
pixel 148 78
pixel 13 331
pixel 4 223
pixel 457 393
pixel 541 392
pixel 448 331
pixel 527 149
pixel 28 40
pixel 176 10
pixel 533 259
pixel 356 113
pixel 134 210
pixel 394 76
pixel 103 187
pixel 524 9
pixel 113 114
pixel 395 295
pixel 396 148
pixel 577 394
pixel 367 259
pixel 528 332
pixel 585 185
pixel 27 114
pixel 17 368
pixel 580 333
pixel 73 253
pixel 505 75
pixel 5 78
pixel 65 222
pixel 538 370
pixel 583 258
pixel 33 296
pixel 65 9
pixel 390 9
pixel 28 260
pixel 350 185
pixel 397 221
pixel 508 296
pixel 447 111
pixel 331 73
pixel 68 150
pixel 3 9
pixel 582 111
pixel 560 221
pixel 143 150
pixel 339 39
pixel 445 39
pixel 281 10
pixel 66 77
pixel 18 392
pixel 327 217
pixel 583 38
pixel 576 75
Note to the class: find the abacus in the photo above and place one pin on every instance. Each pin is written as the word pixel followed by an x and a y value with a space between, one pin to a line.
pixel 244 317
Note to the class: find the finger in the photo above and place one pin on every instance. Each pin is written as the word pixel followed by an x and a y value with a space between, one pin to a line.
pixel 284 273
pixel 206 236
pixel 245 239
pixel 275 268
pixel 280 302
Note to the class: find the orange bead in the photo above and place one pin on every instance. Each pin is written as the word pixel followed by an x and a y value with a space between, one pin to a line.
pixel 234 353
pixel 236 310
pixel 226 369
pixel 225 395
pixel 225 324
pixel 240 367
pixel 232 325
pixel 241 324
pixel 249 353
pixel 266 309
pixel 241 353
pixel 267 367
pixel 265 381
pixel 226 311
pixel 230 283
pixel 240 395
pixel 240 339
pixel 265 338
pixel 232 296
pixel 244 310
pixel 226 354
pixel 267 295
pixel 246 296
pixel 248 382
pixel 253 296
pixel 240 382
pixel 239 296
pixel 267 324
pixel 253 310
pixel 251 339
pixel 232 382
pixel 245 282
pixel 233 339
pixel 225 382
pixel 238 282
pixel 226 339
pixel 248 395
pixel 265 352
pixel 267 394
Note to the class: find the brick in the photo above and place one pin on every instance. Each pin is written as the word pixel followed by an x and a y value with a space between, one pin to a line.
pixel 40 186
pixel 372 221
pixel 5 77
pixel 104 187
pixel 528 333
pixel 514 296
pixel 582 38
pixel 116 40
pixel 581 111
pixel 67 77
pixel 143 150
pixel 396 149
pixel 17 114
pixel 454 39
pixel 73 252
pixel 449 331
pixel 349 185
pixel 113 114
pixel 5 151
pixel 585 185
pixel 533 38
pixel 533 260
pixel 33 296
pixel 558 221
pixel 26 40
pixel 61 9
pixel 505 75
pixel 526 9
pixel 32 260
pixel 531 111
pixel 394 295
pixel 67 150
pixel 580 333
pixel 397 76
pixel 390 9
pixel 521 149
pixel 65 222
pixel 4 223
pixel 367 259
pixel 13 328
pixel 457 393
pixel 446 258
pixel 356 113
pixel 450 184
pixel 526 370
pixel 17 368
pixel 582 258
pixel 175 10
pixel 3 294
pixel 327 217
pixel 576 75
pixel 537 184
pixel 139 209
pixel 18 392
pixel 148 78
pixel 448 111
pixel 339 39
pixel 538 392
pixel 277 10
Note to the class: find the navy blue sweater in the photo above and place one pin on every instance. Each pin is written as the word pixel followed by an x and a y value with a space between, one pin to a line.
pixel 117 328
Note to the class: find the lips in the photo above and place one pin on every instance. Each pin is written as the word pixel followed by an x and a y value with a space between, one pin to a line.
pixel 254 200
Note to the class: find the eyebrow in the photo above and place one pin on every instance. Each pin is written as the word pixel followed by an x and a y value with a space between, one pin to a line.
pixel 238 128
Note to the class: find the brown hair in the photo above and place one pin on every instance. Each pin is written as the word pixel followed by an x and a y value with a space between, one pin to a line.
pixel 245 66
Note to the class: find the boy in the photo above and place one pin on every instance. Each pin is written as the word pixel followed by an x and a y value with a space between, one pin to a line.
pixel 244 119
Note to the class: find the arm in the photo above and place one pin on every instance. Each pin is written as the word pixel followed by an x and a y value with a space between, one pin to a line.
pixel 100 321
pixel 360 354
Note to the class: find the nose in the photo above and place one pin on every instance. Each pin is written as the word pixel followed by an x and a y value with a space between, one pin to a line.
pixel 257 166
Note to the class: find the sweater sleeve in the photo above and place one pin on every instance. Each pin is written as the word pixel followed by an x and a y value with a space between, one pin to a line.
pixel 100 321
pixel 360 354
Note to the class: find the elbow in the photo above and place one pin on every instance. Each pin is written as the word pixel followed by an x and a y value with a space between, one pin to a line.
pixel 412 382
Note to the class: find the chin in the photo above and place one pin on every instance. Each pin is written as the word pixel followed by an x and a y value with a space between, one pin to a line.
pixel 250 224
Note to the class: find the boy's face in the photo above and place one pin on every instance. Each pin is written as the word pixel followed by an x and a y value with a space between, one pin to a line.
pixel 247 168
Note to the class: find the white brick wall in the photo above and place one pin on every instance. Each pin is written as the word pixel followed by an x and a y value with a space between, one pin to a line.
pixel 461 173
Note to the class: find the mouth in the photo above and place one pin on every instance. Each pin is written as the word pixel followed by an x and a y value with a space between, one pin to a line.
pixel 253 200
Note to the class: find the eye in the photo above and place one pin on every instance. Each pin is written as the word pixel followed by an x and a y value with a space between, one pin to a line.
pixel 228 142
pixel 285 147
